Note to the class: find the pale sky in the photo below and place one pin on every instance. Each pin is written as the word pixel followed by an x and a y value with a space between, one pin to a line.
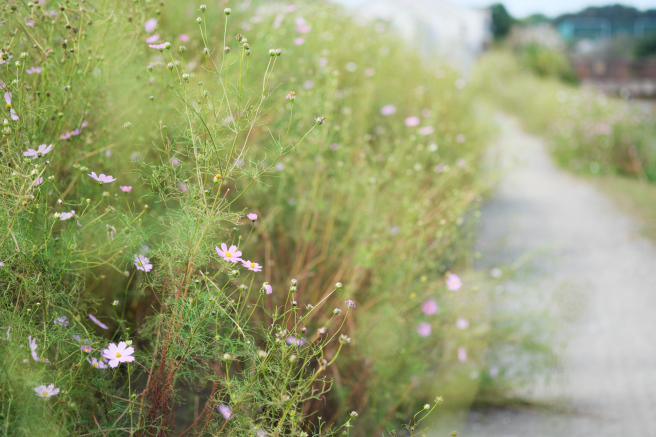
pixel 552 8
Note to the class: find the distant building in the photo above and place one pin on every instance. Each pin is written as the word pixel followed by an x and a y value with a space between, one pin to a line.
pixel 457 34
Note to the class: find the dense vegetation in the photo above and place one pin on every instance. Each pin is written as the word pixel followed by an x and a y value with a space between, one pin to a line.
pixel 139 138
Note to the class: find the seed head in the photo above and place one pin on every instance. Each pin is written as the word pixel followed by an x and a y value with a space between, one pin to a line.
pixel 321 120
pixel 343 339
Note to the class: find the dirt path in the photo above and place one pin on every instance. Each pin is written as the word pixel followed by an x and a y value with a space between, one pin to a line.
pixel 594 273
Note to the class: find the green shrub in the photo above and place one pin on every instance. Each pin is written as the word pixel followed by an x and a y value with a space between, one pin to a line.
pixel 361 198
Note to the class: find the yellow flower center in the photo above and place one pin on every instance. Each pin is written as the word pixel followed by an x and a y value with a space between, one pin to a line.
pixel 218 176
pixel 118 354
pixel 228 254
pixel 45 393
pixel 252 265
pixel 95 364
pixel 8 105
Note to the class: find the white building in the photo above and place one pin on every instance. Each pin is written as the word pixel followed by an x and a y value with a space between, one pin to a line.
pixel 458 34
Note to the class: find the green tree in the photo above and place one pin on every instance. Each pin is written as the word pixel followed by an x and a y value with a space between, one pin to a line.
pixel 502 21
pixel 646 46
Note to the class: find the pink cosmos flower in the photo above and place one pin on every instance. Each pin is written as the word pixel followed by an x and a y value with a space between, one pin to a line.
pixel 424 329
pixel 266 288
pixel 61 321
pixel 254 267
pixel 33 70
pixel 30 23
pixel 175 161
pixel 150 25
pixel 429 307
pixel 229 254
pixel 42 150
pixel 38 182
pixel 181 186
pixel 125 189
pixel 462 354
pixel 102 179
pixel 299 41
pixel 252 217
pixel 290 8
pixel 183 37
pixel 45 392
pixel 300 21
pixel 494 371
pixel 293 340
pixel 308 84
pixel 86 348
pixel 350 303
pixel 388 110
pixel 462 323
pixel 97 322
pixel 453 282
pixel 303 29
pixel 157 46
pixel 412 121
pixel 117 354
pixel 152 38
pixel 426 130
pixel 225 411
pixel 369 72
pixel 67 215
pixel 142 263
pixel 11 110
pixel 32 342
pixel 99 364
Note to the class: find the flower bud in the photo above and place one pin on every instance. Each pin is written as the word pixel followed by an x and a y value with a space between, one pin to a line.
pixel 199 20
pixel 439 400
pixel 183 49
pixel 203 8
pixel 23 55
pixel 294 281
pixel 239 37
pixel 226 49
pixel 338 286
pixel 226 357
pixel 278 52
pixel 337 312
pixel 320 120
pixel 354 414
pixel 169 65
pixel 427 407
pixel 185 77
pixel 167 45
pixel 127 125
pixel 206 51
pixel 343 339
pixel 248 52
pixel 272 52
pixel 227 11
pixel 149 68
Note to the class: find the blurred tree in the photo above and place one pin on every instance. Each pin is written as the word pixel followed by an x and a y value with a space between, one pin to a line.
pixel 502 21
pixel 646 46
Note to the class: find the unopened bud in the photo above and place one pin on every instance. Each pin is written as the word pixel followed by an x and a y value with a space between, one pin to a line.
pixel 227 11
pixel 199 20
pixel 203 8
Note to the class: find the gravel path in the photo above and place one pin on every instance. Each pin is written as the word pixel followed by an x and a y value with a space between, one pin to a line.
pixel 596 276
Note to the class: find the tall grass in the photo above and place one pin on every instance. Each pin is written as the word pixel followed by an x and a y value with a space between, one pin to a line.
pixel 378 201
pixel 589 131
